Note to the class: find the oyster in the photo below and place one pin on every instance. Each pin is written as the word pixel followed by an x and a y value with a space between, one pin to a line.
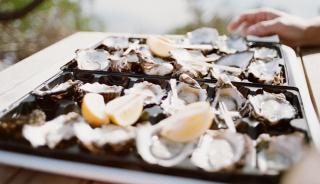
pixel 227 93
pixel 271 107
pixel 116 42
pixel 237 43
pixel 155 66
pixel 120 64
pixel 155 149
pixel 59 91
pixel 51 133
pixel 203 35
pixel 239 60
pixel 181 95
pixel 267 72
pixel 265 53
pixel 223 150
pixel 90 59
pixel 108 92
pixel 152 93
pixel 190 62
pixel 116 138
pixel 277 153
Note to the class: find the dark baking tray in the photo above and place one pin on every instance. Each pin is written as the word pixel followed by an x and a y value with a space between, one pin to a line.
pixel 70 150
pixel 71 66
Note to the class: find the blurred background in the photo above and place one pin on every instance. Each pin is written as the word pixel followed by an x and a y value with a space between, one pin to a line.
pixel 27 26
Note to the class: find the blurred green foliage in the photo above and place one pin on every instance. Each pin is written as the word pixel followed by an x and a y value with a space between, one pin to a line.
pixel 48 23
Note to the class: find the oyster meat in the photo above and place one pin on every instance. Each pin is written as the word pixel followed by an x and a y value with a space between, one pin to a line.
pixel 223 150
pixel 227 93
pixel 155 66
pixel 190 62
pixel 203 35
pixel 115 137
pixel 90 59
pixel 51 133
pixel 277 153
pixel 271 107
pixel 108 92
pixel 181 95
pixel 152 93
pixel 155 149
pixel 265 53
pixel 267 72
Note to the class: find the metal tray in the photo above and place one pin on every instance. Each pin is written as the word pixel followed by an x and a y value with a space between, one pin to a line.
pixel 71 66
pixel 70 151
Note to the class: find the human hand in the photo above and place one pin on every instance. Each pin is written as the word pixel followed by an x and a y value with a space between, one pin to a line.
pixel 266 22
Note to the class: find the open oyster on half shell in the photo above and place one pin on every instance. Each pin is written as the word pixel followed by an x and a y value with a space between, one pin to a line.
pixel 266 72
pixel 278 153
pixel 154 66
pixel 91 59
pixel 190 62
pixel 223 150
pixel 271 107
pixel 52 132
pixel 109 136
pixel 152 93
pixel 173 139
pixel 182 94
pixel 108 92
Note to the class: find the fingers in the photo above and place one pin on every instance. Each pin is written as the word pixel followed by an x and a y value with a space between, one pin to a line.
pixel 253 17
pixel 264 28
pixel 244 18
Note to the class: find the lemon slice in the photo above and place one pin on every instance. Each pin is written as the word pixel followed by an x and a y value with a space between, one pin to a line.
pixel 125 110
pixel 93 109
pixel 188 123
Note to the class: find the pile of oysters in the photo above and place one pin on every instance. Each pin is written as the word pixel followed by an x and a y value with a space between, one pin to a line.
pixel 202 54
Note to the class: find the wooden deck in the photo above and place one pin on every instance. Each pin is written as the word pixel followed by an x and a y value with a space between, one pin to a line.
pixel 27 74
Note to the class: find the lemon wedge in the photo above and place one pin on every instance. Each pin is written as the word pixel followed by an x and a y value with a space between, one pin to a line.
pixel 93 109
pixel 189 123
pixel 125 110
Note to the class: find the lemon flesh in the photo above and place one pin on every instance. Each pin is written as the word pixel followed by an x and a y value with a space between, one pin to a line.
pixel 189 123
pixel 125 110
pixel 92 109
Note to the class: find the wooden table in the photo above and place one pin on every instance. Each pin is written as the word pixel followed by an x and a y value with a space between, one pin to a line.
pixel 34 70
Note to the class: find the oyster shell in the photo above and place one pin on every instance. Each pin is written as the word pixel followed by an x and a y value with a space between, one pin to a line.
pixel 181 95
pixel 265 53
pixel 155 66
pixel 203 35
pixel 271 107
pixel 227 93
pixel 116 42
pixel 267 72
pixel 190 62
pixel 153 93
pixel 239 60
pixel 51 133
pixel 107 136
pixel 57 89
pixel 277 153
pixel 108 92
pixel 155 149
pixel 90 59
pixel 223 150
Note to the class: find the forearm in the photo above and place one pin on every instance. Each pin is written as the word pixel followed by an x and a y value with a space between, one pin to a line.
pixel 312 33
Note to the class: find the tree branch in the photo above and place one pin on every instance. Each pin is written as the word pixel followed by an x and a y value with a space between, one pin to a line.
pixel 10 15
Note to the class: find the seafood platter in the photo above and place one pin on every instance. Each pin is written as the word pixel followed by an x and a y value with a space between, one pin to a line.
pixel 199 106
